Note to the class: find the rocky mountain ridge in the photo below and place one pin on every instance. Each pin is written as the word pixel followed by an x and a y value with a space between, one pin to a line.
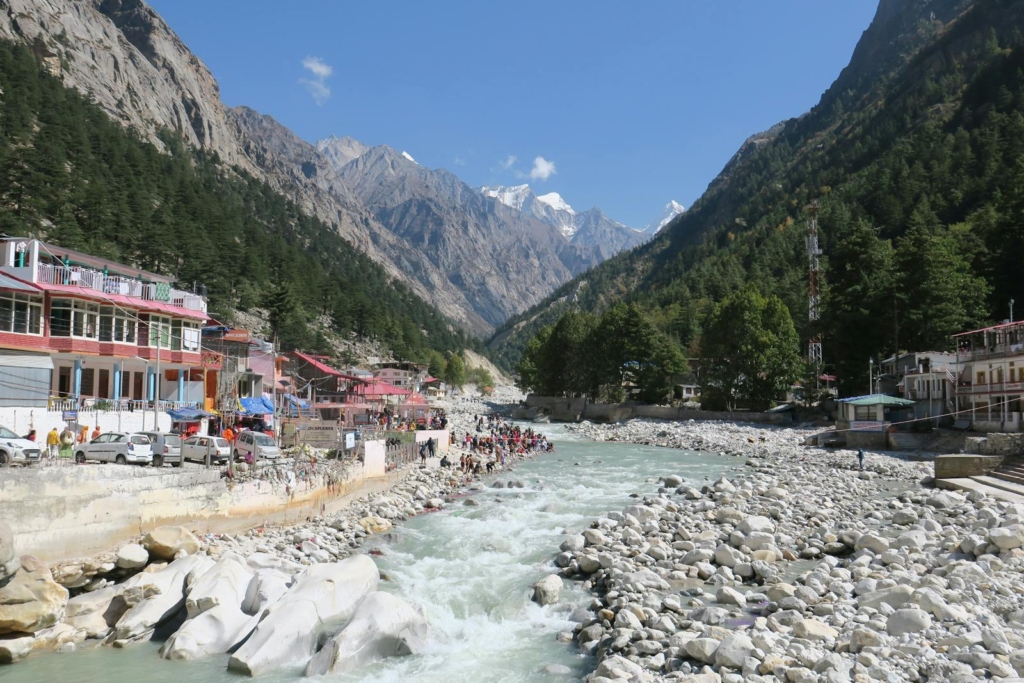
pixel 125 57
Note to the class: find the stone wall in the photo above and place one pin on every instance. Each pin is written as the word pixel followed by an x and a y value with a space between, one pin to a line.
pixel 875 441
pixel 995 444
pixel 961 466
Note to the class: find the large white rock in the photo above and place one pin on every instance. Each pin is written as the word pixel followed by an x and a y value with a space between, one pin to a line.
pixel 382 626
pixel 545 591
pixel 910 620
pixel 264 589
pixel 324 595
pixel 895 596
pixel 733 650
pixel 756 523
pixel 642 513
pixel 154 598
pixel 97 612
pixel 215 631
pixel 132 556
pixel 225 583
pixel 9 562
pixel 1007 537
pixel 164 542
pixel 31 600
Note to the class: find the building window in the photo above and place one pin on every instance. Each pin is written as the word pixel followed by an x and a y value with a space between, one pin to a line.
pixel 117 325
pixel 103 390
pixel 159 332
pixel 981 378
pixel 863 413
pixel 73 318
pixel 21 313
pixel 64 382
pixel 126 383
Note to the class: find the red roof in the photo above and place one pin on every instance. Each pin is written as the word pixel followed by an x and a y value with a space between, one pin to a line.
pixel 322 367
pixel 415 399
pixel 121 300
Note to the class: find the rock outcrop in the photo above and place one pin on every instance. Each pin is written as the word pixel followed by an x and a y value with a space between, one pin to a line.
pixel 31 601
pixel 9 563
pixel 165 542
pixel 382 626
pixel 324 595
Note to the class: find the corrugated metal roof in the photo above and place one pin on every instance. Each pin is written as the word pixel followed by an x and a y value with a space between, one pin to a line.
pixel 876 399
pixel 8 282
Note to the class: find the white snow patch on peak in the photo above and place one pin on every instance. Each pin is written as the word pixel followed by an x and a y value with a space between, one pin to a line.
pixel 515 196
pixel 671 210
pixel 409 157
pixel 555 201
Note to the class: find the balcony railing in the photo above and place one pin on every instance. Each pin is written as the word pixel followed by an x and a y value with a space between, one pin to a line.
pixel 115 284
pixel 111 405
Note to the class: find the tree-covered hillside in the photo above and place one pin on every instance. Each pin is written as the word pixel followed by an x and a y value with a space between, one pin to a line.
pixel 72 176
pixel 919 169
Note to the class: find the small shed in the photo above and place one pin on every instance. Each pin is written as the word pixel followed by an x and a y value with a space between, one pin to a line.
pixel 865 419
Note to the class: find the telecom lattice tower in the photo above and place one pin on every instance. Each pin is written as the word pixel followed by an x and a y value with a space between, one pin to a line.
pixel 813 285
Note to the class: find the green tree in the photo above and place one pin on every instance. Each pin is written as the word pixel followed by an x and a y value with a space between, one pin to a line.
pixel 480 377
pixel 455 372
pixel 529 376
pixel 566 365
pixel 937 293
pixel 436 363
pixel 857 309
pixel 751 350
pixel 627 348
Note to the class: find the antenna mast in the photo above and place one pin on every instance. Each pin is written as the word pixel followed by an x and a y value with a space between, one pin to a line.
pixel 813 285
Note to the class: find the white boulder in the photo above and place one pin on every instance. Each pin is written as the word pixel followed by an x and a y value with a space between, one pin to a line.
pixel 264 589
pixel 545 591
pixel 323 595
pixel 132 556
pixel 154 598
pixel 382 626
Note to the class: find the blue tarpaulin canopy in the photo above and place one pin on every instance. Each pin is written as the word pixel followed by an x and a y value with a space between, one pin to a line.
pixel 188 414
pixel 296 401
pixel 260 405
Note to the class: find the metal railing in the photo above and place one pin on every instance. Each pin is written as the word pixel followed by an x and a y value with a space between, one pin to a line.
pixel 122 405
pixel 115 284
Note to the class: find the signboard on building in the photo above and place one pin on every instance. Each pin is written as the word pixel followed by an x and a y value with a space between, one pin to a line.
pixel 867 426
pixel 237 336
pixel 69 415
pixel 350 440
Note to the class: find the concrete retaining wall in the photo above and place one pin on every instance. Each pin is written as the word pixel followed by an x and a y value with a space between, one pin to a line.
pixel 64 512
pixel 873 440
pixel 22 420
pixel 961 466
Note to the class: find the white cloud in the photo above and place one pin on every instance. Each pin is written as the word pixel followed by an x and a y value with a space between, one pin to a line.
pixel 459 161
pixel 317 84
pixel 509 162
pixel 542 169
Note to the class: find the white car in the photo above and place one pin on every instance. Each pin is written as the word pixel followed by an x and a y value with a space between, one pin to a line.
pixel 247 443
pixel 15 450
pixel 195 448
pixel 122 448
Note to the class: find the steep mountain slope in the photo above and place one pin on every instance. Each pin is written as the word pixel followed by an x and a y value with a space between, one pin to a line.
pixel 503 259
pixel 125 57
pixel 914 151
pixel 71 175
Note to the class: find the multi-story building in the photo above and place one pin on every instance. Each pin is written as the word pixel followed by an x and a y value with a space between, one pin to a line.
pixel 990 377
pixel 82 332
pixel 931 384
pixel 402 374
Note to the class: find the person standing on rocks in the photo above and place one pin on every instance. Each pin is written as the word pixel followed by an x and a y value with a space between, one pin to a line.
pixel 432 447
pixel 860 458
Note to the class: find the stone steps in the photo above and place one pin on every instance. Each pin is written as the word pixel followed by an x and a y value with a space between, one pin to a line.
pixel 997 482
pixel 965 484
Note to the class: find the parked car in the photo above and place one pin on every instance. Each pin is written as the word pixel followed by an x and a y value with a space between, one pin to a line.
pixel 15 450
pixel 252 446
pixel 119 447
pixel 194 448
pixel 166 448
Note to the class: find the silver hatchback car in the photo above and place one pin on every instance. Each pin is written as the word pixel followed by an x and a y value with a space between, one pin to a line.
pixel 120 447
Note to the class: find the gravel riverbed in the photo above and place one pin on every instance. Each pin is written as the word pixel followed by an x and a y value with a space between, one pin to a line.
pixel 801 569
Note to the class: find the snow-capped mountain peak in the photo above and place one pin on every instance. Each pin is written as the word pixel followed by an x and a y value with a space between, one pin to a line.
pixel 409 157
pixel 671 210
pixel 516 196
pixel 555 201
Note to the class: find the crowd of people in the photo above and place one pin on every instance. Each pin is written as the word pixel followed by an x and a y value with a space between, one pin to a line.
pixel 494 444
pixel 388 420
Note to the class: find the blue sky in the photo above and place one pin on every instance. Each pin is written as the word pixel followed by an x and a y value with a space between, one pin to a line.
pixel 627 105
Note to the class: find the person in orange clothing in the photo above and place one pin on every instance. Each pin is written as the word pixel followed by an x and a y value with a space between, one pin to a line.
pixel 96 433
pixel 229 435
pixel 83 434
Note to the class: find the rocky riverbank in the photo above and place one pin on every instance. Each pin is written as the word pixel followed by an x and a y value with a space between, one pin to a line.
pixel 800 569
pixel 209 593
